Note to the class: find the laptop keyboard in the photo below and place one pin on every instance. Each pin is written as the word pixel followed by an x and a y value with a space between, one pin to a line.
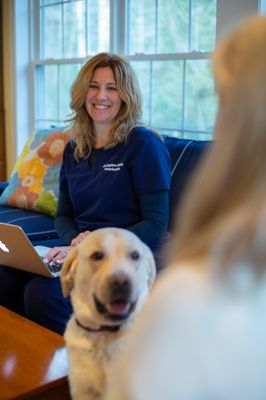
pixel 53 267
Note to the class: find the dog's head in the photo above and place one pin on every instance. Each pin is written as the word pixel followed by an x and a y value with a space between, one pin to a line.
pixel 108 277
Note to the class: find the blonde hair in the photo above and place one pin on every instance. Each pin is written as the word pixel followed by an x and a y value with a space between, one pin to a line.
pixel 232 176
pixel 128 90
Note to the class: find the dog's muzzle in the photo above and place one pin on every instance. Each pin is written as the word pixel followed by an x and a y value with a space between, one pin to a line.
pixel 119 304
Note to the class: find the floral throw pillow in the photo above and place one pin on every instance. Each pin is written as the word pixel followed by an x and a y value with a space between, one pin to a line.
pixel 34 182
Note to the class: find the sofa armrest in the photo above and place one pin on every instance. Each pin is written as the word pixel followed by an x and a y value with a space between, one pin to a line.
pixel 3 185
pixel 185 155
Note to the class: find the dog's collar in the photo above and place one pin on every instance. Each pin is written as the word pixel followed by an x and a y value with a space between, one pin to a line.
pixel 102 328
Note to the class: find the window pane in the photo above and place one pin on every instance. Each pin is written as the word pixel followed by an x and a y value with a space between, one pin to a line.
pixel 197 135
pixel 153 26
pixel 71 29
pixel 173 26
pixel 47 95
pixel 51 37
pixel 142 26
pixel 200 99
pixel 44 124
pixel 44 2
pixel 53 94
pixel 172 133
pixel 203 29
pixel 142 69
pixel 98 20
pixel 178 95
pixel 74 29
pixel 166 104
pixel 67 74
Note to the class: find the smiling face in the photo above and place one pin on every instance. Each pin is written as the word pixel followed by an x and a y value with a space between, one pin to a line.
pixel 102 100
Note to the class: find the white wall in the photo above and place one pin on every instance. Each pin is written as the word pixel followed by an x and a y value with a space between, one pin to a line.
pixel 232 12
pixel 9 82
pixel 16 77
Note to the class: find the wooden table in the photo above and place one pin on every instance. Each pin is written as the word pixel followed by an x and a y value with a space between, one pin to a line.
pixel 33 360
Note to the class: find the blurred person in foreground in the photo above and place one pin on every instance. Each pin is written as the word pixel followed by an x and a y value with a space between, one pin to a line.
pixel 203 333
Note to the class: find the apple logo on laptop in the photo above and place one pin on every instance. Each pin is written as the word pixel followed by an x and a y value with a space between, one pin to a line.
pixel 3 247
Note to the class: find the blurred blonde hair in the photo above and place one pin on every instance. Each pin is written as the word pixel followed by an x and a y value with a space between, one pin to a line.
pixel 231 179
pixel 128 90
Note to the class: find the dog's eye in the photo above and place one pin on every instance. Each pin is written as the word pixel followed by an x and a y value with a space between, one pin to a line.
pixel 97 256
pixel 134 255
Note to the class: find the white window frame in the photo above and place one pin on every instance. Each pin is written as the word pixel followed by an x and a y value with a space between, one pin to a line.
pixel 19 83
pixel 118 44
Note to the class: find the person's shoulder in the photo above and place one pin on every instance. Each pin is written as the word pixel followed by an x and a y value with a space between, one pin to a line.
pixel 70 146
pixel 144 138
pixel 182 280
pixel 68 156
pixel 178 294
pixel 144 134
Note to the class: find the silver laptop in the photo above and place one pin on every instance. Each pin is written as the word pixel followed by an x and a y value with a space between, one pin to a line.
pixel 17 251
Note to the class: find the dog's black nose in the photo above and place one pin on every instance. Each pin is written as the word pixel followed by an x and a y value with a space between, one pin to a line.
pixel 120 286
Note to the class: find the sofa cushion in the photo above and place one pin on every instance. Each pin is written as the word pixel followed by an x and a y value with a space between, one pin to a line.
pixel 36 226
pixel 34 182
pixel 185 155
pixel 3 185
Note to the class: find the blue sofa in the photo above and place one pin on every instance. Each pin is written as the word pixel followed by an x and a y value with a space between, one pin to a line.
pixel 39 228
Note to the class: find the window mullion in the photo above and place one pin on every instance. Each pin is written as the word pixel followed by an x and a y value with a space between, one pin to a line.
pixel 183 98
pixel 190 26
pixel 86 28
pixel 112 25
pixel 118 15
pixel 39 79
pixel 156 25
pixel 63 31
pixel 125 32
pixel 58 92
pixel 36 26
pixel 150 93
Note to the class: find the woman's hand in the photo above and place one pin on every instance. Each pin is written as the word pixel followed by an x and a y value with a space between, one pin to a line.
pixel 78 239
pixel 57 254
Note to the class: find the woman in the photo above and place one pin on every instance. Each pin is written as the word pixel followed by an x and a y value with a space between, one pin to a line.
pixel 115 172
pixel 203 333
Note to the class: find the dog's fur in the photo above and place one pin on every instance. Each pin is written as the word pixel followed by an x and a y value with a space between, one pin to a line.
pixel 108 277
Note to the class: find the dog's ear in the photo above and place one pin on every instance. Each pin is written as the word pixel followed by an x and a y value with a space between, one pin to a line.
pixel 68 271
pixel 151 266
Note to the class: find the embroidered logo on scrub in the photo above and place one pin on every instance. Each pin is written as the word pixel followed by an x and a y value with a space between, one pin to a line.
pixel 113 167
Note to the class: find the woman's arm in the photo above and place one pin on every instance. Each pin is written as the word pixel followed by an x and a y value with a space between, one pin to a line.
pixel 155 214
pixel 65 227
pixel 149 168
pixel 64 221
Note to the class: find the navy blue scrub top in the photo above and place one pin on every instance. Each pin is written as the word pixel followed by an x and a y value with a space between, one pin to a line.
pixel 106 192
